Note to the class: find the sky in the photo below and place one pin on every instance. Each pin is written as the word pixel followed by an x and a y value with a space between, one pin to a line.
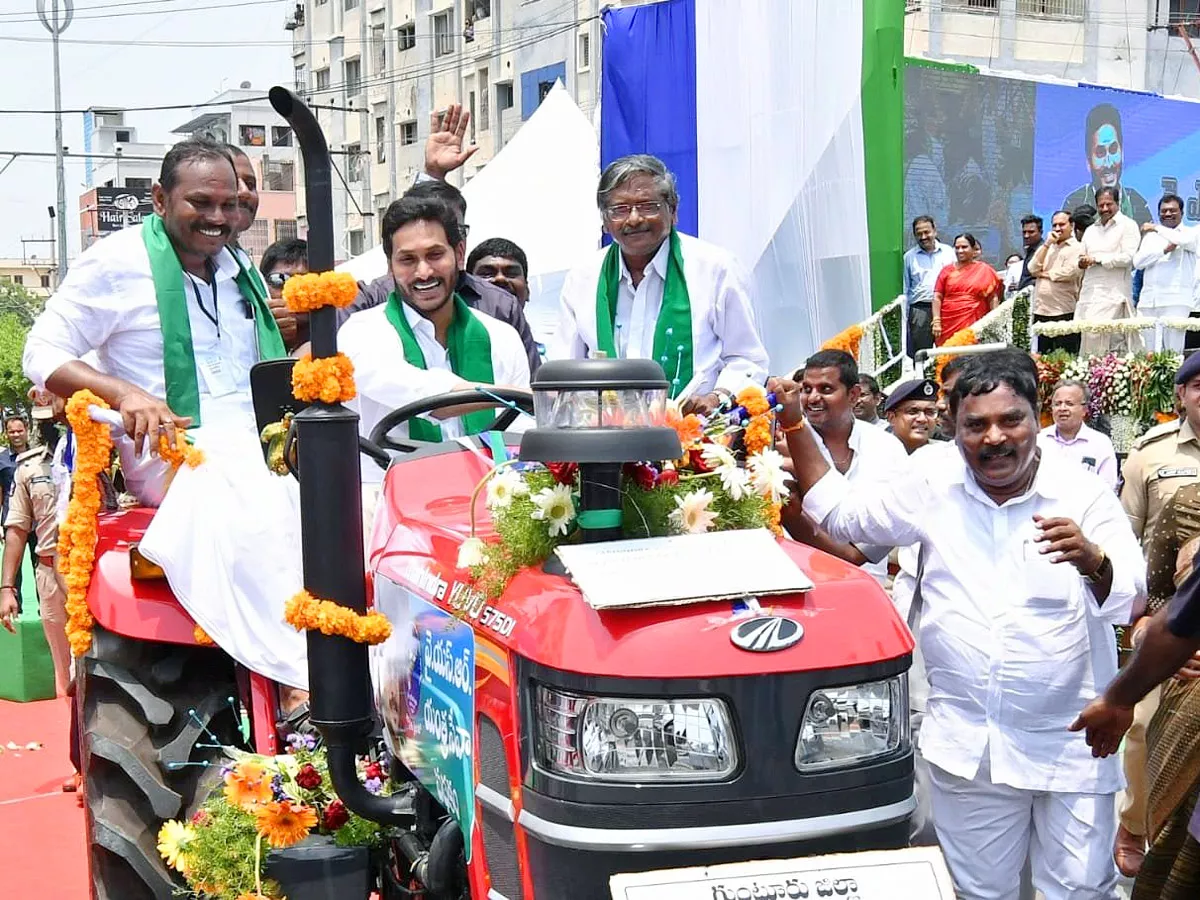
pixel 126 66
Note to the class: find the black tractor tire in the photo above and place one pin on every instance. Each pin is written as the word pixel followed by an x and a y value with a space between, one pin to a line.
pixel 153 720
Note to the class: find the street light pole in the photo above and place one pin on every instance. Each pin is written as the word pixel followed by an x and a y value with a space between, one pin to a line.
pixel 56 26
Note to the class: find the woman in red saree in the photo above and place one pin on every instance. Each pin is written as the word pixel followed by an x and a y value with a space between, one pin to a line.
pixel 964 292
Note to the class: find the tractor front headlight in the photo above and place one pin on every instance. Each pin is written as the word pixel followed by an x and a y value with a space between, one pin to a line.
pixel 633 738
pixel 851 725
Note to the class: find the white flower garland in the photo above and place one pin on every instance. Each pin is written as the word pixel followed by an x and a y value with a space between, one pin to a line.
pixel 1112 326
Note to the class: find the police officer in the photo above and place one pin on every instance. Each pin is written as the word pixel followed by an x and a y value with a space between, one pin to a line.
pixel 1163 460
pixel 912 413
pixel 34 508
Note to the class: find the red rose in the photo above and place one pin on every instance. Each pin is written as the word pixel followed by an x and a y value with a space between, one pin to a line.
pixel 308 777
pixel 336 815
pixel 668 477
pixel 200 818
pixel 564 473
pixel 697 462
pixel 645 477
pixel 373 771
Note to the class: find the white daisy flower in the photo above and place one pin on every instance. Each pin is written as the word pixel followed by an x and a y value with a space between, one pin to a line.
pixel 735 480
pixel 691 514
pixel 555 507
pixel 470 553
pixel 503 487
pixel 718 456
pixel 767 475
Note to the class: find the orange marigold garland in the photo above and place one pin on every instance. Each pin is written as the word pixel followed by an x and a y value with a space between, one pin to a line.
pixel 200 636
pixel 847 339
pixel 758 435
pixel 306 612
pixel 77 534
pixel 316 290
pixel 180 453
pixel 964 338
pixel 328 380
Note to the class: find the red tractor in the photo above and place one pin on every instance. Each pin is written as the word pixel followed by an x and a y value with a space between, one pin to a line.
pixel 576 743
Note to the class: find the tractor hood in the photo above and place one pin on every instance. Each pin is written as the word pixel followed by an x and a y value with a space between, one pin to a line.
pixel 424 514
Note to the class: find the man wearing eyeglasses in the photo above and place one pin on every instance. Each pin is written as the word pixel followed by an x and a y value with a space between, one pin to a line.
pixel 281 261
pixel 1086 446
pixel 658 294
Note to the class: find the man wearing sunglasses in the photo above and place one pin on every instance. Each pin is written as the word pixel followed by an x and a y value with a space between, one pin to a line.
pixel 281 261
pixel 658 294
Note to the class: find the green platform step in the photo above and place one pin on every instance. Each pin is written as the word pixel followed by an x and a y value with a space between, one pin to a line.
pixel 26 671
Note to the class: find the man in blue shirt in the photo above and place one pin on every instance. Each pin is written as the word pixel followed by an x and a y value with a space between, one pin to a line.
pixel 922 264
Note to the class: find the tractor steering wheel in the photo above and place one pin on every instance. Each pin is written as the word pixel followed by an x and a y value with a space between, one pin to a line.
pixel 381 439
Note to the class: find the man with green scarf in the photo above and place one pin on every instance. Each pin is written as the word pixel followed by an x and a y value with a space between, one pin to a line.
pixel 658 294
pixel 176 323
pixel 425 340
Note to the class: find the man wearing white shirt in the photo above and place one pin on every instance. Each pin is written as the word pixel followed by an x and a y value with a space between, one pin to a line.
pixel 1107 262
pixel 1069 434
pixel 1167 255
pixel 1026 564
pixel 658 294
pixel 176 324
pixel 863 453
pixel 425 340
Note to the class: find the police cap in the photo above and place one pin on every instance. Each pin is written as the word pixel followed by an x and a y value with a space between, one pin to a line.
pixel 1189 370
pixel 923 389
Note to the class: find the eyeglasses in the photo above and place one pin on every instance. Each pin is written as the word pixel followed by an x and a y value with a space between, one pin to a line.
pixel 652 209
pixel 279 279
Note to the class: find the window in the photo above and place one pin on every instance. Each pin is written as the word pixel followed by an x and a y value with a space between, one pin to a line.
pixel 408 133
pixel 382 202
pixel 285 229
pixel 322 79
pixel 255 239
pixel 45 281
pixel 474 115
pixel 971 5
pixel 406 37
pixel 124 137
pixel 379 48
pixel 356 242
pixel 18 279
pixel 544 89
pixel 350 4
pixel 278 175
pixel 301 80
pixel 380 139
pixel 482 9
pixel 139 184
pixel 504 95
pixel 320 2
pixel 583 56
pixel 354 164
pixel 281 136
pixel 252 135
pixel 353 77
pixel 1051 9
pixel 485 112
pixel 443 37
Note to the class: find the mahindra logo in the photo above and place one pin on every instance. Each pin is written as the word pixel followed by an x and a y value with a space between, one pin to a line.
pixel 125 202
pixel 766 634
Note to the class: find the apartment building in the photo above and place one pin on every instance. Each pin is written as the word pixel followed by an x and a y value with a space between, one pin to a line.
pixel 118 192
pixel 1141 45
pixel 374 70
pixel 38 276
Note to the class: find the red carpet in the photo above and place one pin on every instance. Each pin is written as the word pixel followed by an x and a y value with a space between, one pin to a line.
pixel 41 829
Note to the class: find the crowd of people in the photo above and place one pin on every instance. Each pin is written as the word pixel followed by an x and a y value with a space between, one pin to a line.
pixel 1095 264
pixel 1004 544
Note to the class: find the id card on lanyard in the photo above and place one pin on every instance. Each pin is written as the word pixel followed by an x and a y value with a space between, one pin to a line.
pixel 211 362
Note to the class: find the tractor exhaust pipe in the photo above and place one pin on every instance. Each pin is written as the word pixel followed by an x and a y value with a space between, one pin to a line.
pixel 331 509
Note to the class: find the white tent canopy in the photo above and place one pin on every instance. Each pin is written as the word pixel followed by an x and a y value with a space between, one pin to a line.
pixel 539 192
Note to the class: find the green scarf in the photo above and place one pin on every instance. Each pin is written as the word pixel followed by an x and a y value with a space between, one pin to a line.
pixel 469 347
pixel 179 357
pixel 672 334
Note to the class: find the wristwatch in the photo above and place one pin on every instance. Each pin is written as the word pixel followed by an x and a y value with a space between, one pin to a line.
pixel 1101 570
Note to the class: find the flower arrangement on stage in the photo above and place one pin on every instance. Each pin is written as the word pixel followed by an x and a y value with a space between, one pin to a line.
pixel 729 477
pixel 964 338
pixel 261 803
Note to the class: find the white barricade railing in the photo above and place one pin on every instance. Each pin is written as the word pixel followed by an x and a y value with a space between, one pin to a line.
pixel 875 336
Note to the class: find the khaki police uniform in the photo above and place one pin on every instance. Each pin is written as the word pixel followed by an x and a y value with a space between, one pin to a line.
pixel 33 508
pixel 1163 460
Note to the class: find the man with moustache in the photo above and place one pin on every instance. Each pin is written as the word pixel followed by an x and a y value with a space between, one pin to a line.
pixel 658 294
pixel 912 413
pixel 864 453
pixel 1107 263
pixel 1167 257
pixel 922 265
pixel 1104 147
pixel 1026 564
pixel 425 340
pixel 177 323
pixel 1057 276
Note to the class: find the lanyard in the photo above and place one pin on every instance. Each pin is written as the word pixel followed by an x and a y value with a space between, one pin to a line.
pixel 215 315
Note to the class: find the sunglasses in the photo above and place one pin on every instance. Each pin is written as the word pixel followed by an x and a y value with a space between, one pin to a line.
pixel 278 279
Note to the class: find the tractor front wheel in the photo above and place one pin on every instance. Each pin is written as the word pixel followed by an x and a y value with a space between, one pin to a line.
pixel 154 718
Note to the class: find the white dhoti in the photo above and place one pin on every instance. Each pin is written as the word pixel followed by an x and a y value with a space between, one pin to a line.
pixel 1172 338
pixel 228 537
pixel 1104 306
pixel 986 831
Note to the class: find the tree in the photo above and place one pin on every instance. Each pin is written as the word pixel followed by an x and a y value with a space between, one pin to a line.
pixel 18 309
pixel 18 300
